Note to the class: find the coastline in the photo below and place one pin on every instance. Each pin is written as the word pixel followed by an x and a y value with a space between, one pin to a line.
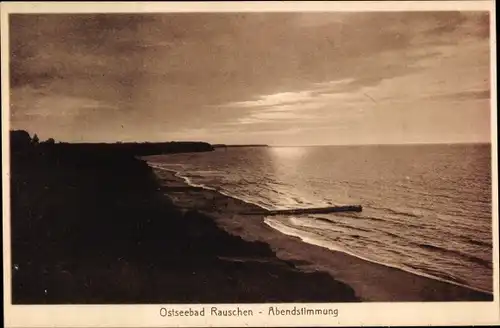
pixel 97 229
pixel 371 281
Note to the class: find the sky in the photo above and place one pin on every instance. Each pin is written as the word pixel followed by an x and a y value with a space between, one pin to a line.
pixel 236 78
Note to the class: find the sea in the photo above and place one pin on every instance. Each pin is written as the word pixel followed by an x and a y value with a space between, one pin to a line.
pixel 427 209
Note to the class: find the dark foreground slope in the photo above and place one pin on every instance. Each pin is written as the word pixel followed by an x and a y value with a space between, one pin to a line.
pixel 92 227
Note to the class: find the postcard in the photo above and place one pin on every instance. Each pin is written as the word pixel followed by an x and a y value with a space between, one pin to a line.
pixel 250 164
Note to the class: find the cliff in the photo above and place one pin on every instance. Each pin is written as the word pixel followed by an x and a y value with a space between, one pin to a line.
pixel 91 225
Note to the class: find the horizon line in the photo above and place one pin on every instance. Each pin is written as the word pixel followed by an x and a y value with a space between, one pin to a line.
pixel 391 144
pixel 278 145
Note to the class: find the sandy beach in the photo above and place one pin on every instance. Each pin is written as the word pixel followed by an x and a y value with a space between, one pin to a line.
pixel 99 229
pixel 370 281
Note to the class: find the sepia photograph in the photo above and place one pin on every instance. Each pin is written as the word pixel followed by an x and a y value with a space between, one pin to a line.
pixel 200 162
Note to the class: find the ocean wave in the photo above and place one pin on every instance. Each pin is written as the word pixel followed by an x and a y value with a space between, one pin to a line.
pixel 397 211
pixel 313 239
pixel 458 254
pixel 189 182
pixel 477 242
pixel 392 221
pixel 439 274
pixel 311 223
pixel 341 235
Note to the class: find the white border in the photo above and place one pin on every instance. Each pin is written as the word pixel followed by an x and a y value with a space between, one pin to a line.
pixel 373 314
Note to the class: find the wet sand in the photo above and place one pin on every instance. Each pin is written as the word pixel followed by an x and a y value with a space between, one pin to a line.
pixel 370 281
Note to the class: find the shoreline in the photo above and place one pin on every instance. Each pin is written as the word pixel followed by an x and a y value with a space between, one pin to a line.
pixel 97 229
pixel 372 281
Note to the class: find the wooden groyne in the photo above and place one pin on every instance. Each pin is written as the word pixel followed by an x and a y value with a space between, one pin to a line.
pixel 316 210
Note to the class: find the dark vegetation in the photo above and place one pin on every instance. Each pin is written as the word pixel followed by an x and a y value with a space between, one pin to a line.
pixel 21 141
pixel 89 225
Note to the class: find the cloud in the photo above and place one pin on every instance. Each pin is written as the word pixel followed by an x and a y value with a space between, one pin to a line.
pixel 154 75
pixel 463 95
pixel 282 98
